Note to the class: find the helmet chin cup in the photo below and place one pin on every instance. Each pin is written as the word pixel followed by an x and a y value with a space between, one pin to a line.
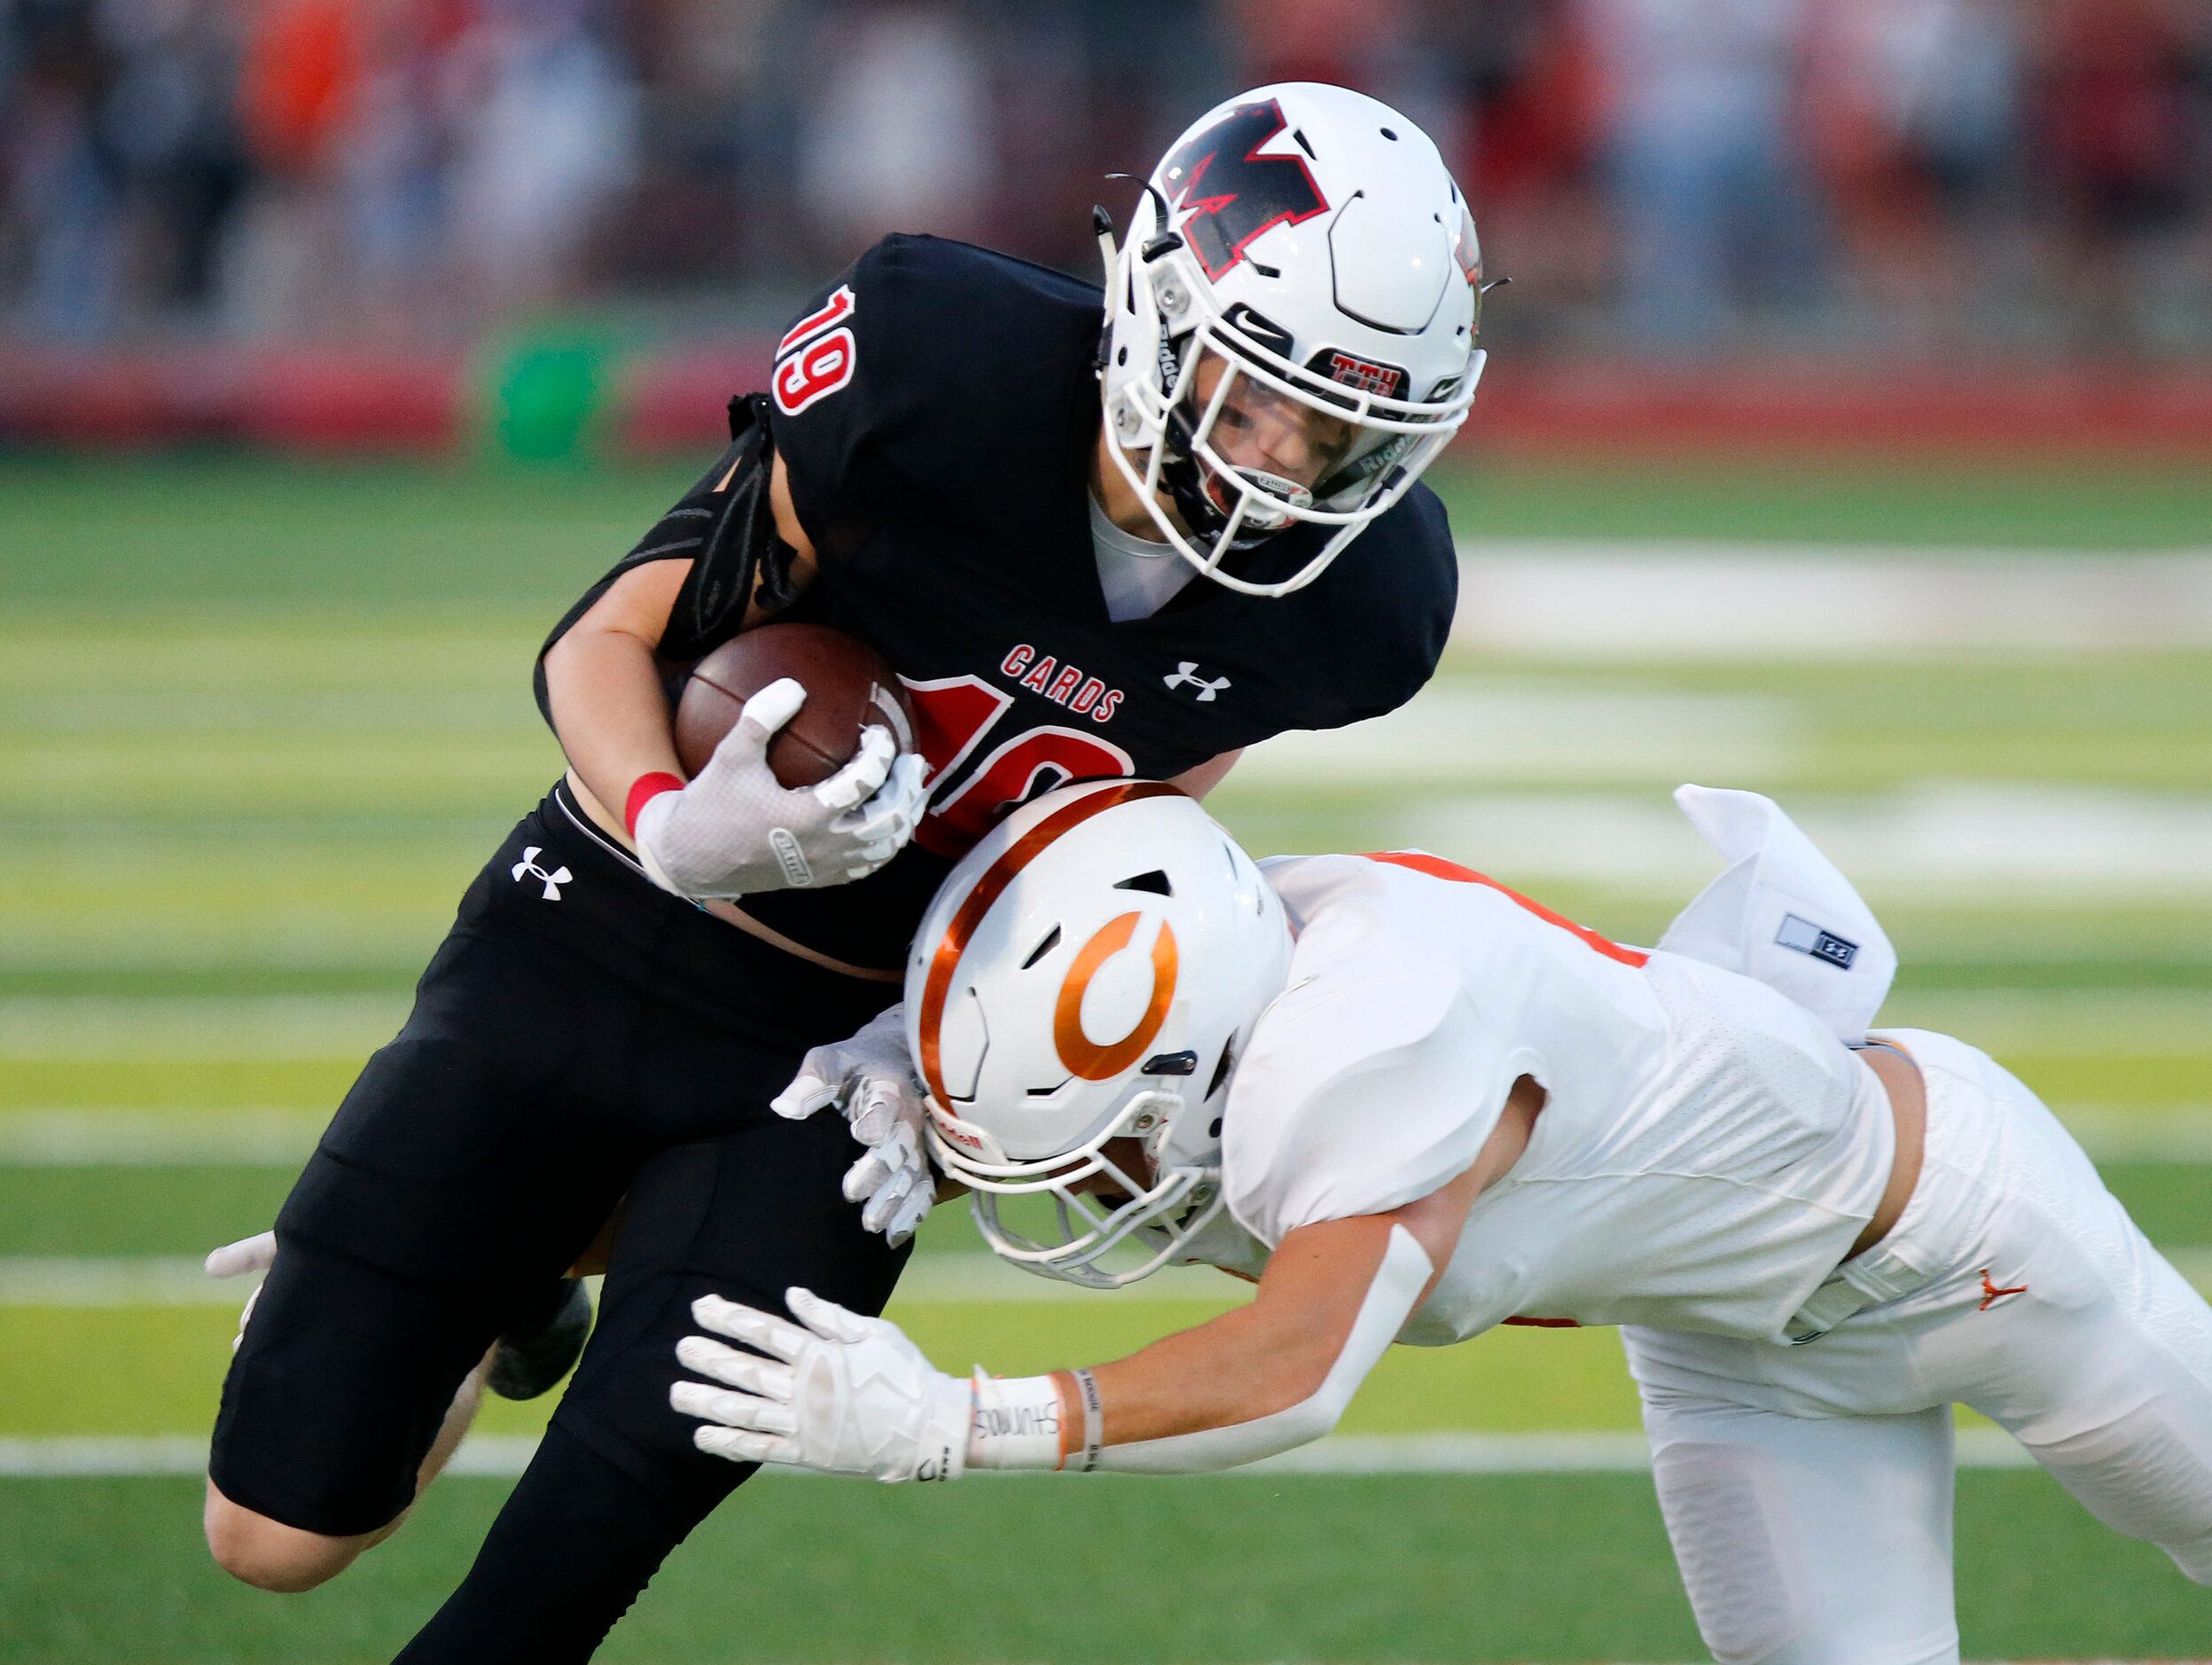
pixel 1197 499
pixel 1162 1214
pixel 1258 514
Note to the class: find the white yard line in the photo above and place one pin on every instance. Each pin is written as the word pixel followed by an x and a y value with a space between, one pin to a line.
pixel 1455 734
pixel 2117 1133
pixel 1942 842
pixel 937 1280
pixel 188 1027
pixel 2076 1023
pixel 86 1282
pixel 1679 599
pixel 158 1139
pixel 282 1139
pixel 1585 1453
pixel 174 1029
pixel 958 1279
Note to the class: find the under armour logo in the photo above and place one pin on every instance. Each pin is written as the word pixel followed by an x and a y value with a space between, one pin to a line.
pixel 1992 1294
pixel 1808 938
pixel 554 880
pixel 1186 676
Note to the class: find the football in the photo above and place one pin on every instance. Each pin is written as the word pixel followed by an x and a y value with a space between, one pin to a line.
pixel 848 686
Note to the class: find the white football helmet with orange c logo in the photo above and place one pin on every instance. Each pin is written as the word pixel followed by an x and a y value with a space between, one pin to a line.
pixel 1090 973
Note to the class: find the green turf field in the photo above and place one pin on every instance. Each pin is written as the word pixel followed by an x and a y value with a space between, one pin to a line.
pixel 260 721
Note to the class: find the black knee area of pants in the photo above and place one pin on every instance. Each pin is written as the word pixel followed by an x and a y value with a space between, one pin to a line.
pixel 338 1391
pixel 577 1543
pixel 618 1483
pixel 746 1217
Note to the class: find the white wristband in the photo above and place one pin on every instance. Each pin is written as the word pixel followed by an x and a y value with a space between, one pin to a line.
pixel 1084 1461
pixel 1016 1423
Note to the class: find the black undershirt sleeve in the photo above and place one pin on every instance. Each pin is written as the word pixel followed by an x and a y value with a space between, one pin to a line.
pixel 727 531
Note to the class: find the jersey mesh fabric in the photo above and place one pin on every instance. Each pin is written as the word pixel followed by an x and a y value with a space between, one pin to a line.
pixel 1754 1087
pixel 1716 1199
pixel 1707 1152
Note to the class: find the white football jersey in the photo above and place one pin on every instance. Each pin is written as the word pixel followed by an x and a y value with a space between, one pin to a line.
pixel 1706 1153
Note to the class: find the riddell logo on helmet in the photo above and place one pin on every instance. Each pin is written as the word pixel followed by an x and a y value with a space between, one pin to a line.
pixel 953 1132
pixel 1384 379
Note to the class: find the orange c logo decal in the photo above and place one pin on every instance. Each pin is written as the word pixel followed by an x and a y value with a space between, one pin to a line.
pixel 1084 1056
pixel 945 961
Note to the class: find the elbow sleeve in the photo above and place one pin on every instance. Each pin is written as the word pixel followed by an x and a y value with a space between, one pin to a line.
pixel 1390 1300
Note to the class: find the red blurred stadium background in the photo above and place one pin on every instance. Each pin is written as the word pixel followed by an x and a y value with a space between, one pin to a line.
pixel 570 227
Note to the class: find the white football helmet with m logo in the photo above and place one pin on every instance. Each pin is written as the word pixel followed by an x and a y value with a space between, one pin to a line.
pixel 1300 255
pixel 1089 974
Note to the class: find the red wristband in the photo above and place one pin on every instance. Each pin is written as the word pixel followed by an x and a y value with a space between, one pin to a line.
pixel 644 790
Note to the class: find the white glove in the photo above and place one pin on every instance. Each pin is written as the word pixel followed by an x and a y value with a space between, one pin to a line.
pixel 250 1254
pixel 844 1394
pixel 870 1078
pixel 735 831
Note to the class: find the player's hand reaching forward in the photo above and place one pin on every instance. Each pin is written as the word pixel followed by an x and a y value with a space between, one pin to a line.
pixel 248 1256
pixel 836 1392
pixel 736 830
pixel 870 1078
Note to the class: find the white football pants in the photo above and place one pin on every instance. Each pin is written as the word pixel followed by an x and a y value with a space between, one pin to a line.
pixel 1808 1490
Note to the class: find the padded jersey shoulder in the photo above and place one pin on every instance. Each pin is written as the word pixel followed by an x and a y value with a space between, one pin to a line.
pixel 968 370
pixel 1365 1087
pixel 1376 622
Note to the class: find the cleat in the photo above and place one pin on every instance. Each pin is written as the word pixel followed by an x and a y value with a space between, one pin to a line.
pixel 533 1357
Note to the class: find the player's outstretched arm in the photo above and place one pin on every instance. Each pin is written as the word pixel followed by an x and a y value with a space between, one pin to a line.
pixel 853 1396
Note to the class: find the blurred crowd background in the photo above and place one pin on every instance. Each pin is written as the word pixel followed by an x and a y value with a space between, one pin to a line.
pixel 1689 177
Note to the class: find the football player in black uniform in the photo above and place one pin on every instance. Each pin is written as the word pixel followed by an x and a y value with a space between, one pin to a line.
pixel 1067 593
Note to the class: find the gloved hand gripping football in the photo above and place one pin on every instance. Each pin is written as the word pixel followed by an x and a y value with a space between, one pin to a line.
pixel 735 830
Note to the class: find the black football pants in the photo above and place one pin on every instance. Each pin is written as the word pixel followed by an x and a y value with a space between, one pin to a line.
pixel 580 1039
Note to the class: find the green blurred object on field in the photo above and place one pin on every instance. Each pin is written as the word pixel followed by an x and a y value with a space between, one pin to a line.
pixel 548 388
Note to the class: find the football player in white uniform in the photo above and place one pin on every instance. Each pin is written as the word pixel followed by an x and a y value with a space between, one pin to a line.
pixel 1416 1104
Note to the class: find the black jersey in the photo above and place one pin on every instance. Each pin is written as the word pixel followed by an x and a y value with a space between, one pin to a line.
pixel 937 408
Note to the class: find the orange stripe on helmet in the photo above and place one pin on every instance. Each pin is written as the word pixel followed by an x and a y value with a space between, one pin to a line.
pixel 1102 1061
pixel 954 943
